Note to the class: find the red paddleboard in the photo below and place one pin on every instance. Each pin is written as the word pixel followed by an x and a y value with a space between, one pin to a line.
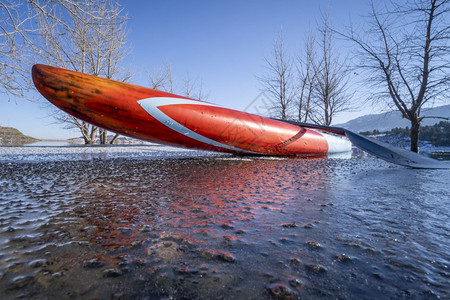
pixel 165 118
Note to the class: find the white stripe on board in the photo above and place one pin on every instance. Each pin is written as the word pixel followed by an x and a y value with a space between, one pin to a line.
pixel 151 105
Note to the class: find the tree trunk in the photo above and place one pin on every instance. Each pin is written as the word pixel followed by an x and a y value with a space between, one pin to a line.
pixel 92 136
pixel 114 139
pixel 84 128
pixel 103 136
pixel 414 135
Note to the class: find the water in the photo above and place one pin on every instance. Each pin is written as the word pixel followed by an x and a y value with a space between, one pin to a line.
pixel 208 226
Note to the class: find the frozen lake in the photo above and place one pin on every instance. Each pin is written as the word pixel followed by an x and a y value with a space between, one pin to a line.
pixel 158 222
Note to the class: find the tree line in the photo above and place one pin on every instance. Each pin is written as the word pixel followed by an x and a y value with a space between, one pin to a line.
pixel 437 134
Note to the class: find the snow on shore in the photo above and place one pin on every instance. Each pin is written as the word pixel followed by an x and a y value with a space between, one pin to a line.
pixel 67 153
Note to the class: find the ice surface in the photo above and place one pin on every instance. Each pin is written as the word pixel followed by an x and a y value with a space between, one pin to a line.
pixel 160 222
pixel 68 153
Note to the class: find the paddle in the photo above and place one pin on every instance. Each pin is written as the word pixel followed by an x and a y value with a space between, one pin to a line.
pixel 379 149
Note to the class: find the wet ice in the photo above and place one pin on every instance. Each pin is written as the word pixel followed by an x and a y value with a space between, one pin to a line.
pixel 138 222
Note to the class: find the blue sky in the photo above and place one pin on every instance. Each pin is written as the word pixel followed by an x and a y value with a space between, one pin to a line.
pixel 221 44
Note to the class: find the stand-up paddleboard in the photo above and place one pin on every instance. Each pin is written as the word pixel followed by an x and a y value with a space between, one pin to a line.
pixel 165 118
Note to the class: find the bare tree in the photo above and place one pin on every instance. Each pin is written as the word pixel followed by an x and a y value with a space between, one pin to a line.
pixel 331 79
pixel 192 88
pixel 307 78
pixel 279 83
pixel 405 50
pixel 14 26
pixel 108 50
pixel 162 79
pixel 86 36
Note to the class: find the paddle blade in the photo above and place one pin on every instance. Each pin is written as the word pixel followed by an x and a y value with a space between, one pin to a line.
pixel 393 154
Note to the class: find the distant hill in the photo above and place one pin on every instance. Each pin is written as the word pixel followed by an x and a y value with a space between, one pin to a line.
pixel 387 121
pixel 10 136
